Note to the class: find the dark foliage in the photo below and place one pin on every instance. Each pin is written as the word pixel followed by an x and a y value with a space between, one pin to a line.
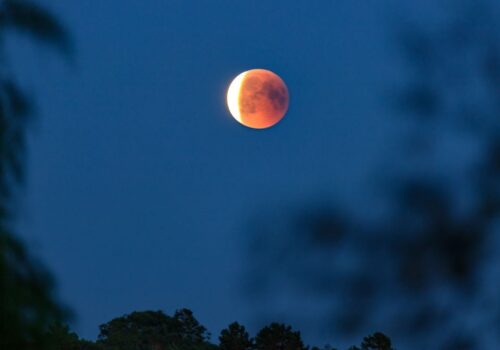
pixel 27 306
pixel 140 330
pixel 27 303
pixel 154 330
pixel 61 338
pixel 377 341
pixel 189 328
pixel 30 18
pixel 278 336
pixel 235 337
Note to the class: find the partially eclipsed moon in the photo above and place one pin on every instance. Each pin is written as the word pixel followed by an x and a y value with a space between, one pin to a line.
pixel 257 98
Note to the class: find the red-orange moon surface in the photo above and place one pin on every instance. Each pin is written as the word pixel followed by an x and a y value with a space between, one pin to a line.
pixel 257 98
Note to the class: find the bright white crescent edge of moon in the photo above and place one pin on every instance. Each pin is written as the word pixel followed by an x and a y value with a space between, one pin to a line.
pixel 233 96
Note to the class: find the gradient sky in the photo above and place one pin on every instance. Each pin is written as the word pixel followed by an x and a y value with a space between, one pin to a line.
pixel 141 185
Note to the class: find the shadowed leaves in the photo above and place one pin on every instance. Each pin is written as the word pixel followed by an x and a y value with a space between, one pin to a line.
pixel 33 19
pixel 28 305
pixel 235 337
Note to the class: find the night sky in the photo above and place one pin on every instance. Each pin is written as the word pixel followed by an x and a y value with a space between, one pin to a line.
pixel 141 185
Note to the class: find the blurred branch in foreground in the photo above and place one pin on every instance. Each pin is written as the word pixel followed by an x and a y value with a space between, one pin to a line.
pixel 427 271
pixel 27 303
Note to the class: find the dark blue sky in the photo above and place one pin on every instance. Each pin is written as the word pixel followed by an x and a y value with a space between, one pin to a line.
pixel 141 184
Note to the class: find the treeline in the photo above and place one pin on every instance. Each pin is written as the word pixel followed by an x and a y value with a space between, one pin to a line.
pixel 154 330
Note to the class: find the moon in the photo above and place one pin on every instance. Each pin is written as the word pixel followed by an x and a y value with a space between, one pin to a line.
pixel 257 98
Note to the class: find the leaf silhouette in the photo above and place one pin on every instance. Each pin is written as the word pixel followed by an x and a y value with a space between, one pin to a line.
pixel 34 20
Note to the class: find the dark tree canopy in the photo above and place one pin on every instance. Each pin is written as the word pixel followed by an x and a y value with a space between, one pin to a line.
pixel 153 329
pixel 235 337
pixel 140 331
pixel 62 338
pixel 278 336
pixel 377 341
pixel 192 332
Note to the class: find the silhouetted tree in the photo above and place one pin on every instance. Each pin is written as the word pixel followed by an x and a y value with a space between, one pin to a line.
pixel 191 330
pixel 153 329
pixel 377 341
pixel 235 337
pixel 326 347
pixel 61 338
pixel 140 331
pixel 278 336
pixel 27 303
